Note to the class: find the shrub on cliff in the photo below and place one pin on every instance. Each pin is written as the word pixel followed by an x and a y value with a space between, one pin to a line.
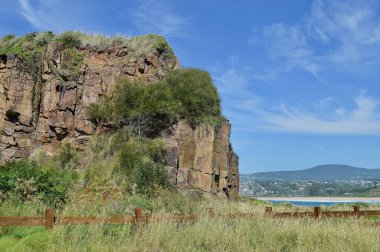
pixel 26 180
pixel 144 109
pixel 70 39
pixel 195 91
pixel 148 109
pixel 25 48
pixel 162 46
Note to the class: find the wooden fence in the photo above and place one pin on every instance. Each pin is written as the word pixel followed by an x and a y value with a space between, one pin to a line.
pixel 317 213
pixel 49 220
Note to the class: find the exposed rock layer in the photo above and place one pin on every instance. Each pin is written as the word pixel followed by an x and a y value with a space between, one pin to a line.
pixel 42 112
pixel 203 158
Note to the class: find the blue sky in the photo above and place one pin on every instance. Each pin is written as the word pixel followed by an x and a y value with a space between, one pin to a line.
pixel 299 80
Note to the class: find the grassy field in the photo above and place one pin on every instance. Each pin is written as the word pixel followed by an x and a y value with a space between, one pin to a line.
pixel 218 234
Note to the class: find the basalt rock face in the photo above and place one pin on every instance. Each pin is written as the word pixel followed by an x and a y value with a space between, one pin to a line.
pixel 40 111
pixel 45 110
pixel 203 158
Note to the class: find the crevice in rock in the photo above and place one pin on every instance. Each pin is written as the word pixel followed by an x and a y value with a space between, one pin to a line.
pixel 61 89
pixel 3 61
pixel 216 180
pixel 71 110
pixel 177 168
pixel 59 132
pixel 12 116
pixel 82 133
pixel 37 90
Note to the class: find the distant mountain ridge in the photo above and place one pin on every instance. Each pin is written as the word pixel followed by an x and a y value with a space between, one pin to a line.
pixel 323 172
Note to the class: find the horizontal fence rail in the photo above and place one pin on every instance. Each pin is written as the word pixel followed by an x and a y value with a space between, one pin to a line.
pixel 22 221
pixel 49 220
pixel 317 213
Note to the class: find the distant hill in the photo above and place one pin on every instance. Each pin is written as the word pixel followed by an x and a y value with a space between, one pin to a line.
pixel 323 172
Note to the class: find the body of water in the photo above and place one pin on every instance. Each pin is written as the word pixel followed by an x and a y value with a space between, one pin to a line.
pixel 311 203
pixel 323 202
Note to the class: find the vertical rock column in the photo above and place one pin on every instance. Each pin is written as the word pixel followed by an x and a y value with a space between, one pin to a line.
pixel 203 158
pixel 16 95
pixel 233 178
pixel 201 176
pixel 186 153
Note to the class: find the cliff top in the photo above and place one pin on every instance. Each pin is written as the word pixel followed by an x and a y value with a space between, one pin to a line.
pixel 24 46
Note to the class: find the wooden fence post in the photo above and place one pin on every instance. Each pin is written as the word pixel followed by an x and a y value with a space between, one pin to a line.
pixel 357 211
pixel 268 210
pixel 49 218
pixel 138 217
pixel 317 212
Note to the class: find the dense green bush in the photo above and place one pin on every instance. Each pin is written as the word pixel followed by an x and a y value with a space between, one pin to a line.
pixel 25 48
pixel 195 90
pixel 44 38
pixel 27 181
pixel 150 177
pixel 8 37
pixel 72 61
pixel 148 109
pixel 70 39
pixel 163 47
pixel 144 109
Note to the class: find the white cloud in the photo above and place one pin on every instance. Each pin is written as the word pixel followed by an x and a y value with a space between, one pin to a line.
pixel 363 119
pixel 40 15
pixel 63 15
pixel 237 82
pixel 289 43
pixel 323 103
pixel 232 80
pixel 157 16
pixel 334 34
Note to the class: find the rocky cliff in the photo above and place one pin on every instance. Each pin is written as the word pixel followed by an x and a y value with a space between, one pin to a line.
pixel 203 158
pixel 43 103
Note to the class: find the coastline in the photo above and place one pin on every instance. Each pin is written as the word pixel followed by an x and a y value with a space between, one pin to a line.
pixel 321 199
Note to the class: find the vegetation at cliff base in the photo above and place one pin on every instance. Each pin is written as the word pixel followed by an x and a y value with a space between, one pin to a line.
pixel 27 181
pixel 136 165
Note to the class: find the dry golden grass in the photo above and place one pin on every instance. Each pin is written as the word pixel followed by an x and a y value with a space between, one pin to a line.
pixel 258 233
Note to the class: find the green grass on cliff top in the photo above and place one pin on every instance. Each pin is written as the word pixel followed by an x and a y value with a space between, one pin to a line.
pixel 21 46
